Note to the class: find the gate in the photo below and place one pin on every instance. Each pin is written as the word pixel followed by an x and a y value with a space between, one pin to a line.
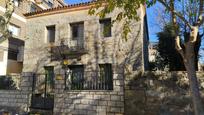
pixel 43 90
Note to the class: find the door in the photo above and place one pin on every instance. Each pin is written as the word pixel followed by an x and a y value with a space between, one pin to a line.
pixel 43 90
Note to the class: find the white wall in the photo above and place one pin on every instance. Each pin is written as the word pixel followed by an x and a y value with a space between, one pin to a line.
pixel 3 64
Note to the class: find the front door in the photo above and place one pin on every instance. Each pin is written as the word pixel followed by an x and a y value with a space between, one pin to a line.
pixel 49 82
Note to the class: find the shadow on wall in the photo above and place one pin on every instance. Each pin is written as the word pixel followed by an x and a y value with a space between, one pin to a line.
pixel 8 83
pixel 125 56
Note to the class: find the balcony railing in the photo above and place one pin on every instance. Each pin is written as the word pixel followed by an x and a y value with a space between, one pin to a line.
pixel 67 51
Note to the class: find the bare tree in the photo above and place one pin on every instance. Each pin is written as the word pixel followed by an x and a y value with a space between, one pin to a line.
pixel 5 19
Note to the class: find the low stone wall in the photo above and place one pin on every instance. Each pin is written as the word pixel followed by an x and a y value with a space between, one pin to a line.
pixel 17 101
pixel 149 93
pixel 109 102
pixel 159 93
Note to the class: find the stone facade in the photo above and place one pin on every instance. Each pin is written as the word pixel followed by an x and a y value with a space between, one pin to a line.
pixel 152 93
pixel 90 102
pixel 115 50
pixel 123 56
pixel 17 101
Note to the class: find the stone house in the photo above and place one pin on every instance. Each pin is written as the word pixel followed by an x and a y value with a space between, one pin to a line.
pixel 84 57
pixel 75 63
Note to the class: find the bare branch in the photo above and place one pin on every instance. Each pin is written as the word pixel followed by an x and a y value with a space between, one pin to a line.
pixel 176 13
pixel 200 17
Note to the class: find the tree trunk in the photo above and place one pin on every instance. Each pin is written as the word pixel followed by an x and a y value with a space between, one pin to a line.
pixel 191 73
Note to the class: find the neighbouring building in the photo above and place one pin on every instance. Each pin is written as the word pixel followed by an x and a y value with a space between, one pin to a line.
pixel 12 50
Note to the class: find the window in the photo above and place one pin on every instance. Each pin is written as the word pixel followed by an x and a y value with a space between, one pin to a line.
pixel 105 27
pixel 13 54
pixel 50 3
pixel 15 30
pixel 16 49
pixel 33 8
pixel 49 72
pixel 75 75
pixel 105 76
pixel 50 34
pixel 77 30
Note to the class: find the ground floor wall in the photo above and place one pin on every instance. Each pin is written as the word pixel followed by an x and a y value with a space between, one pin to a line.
pixel 141 93
pixel 17 101
pixel 86 102
pixel 89 102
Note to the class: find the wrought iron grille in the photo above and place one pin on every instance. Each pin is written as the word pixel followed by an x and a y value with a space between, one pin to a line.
pixel 89 81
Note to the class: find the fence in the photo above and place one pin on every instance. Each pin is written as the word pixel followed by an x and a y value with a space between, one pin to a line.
pixel 89 81
pixel 42 91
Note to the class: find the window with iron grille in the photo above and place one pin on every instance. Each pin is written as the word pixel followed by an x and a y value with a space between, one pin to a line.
pixel 78 79
pixel 105 76
pixel 105 27
pixel 75 77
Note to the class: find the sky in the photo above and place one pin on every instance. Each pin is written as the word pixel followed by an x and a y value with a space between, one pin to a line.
pixel 75 1
pixel 153 28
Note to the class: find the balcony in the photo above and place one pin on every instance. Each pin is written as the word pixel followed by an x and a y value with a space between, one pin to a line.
pixel 67 51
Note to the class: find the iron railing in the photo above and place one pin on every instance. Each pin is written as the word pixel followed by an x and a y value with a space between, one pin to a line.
pixel 42 91
pixel 66 51
pixel 89 81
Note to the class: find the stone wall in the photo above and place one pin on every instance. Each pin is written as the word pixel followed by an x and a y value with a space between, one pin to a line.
pixel 90 102
pixel 149 93
pixel 17 101
pixel 159 93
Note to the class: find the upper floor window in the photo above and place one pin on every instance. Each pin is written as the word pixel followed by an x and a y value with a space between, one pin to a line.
pixel 50 34
pixel 77 30
pixel 50 3
pixel 33 8
pixel 16 49
pixel 15 30
pixel 105 27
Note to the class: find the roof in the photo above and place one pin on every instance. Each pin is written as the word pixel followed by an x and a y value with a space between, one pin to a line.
pixel 61 2
pixel 60 9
